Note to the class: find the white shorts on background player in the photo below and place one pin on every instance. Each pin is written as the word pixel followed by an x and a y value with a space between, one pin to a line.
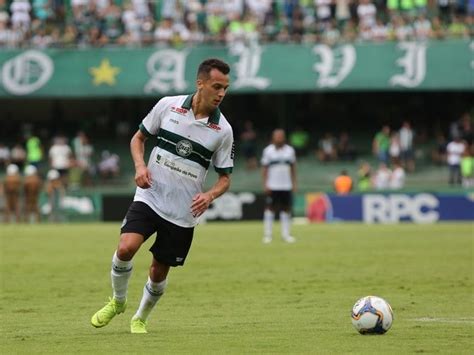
pixel 179 162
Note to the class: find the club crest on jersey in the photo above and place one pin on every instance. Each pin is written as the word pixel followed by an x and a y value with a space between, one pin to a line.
pixel 179 110
pixel 184 148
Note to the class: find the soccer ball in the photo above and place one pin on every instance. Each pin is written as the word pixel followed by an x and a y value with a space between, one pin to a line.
pixel 372 315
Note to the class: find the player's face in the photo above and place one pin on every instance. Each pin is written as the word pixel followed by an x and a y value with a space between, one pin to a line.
pixel 279 137
pixel 213 88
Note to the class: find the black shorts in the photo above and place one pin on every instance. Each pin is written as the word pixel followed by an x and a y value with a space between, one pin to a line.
pixel 172 242
pixel 279 200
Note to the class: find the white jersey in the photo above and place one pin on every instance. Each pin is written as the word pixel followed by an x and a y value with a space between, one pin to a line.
pixel 279 162
pixel 185 148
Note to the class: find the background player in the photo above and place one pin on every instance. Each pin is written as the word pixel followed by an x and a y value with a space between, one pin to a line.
pixel 279 181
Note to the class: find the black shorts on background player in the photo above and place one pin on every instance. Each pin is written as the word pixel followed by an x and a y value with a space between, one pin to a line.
pixel 279 200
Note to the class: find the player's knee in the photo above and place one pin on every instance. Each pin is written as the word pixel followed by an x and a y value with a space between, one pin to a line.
pixel 126 251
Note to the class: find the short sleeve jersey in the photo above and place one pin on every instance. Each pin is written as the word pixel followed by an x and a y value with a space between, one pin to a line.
pixel 279 162
pixel 185 147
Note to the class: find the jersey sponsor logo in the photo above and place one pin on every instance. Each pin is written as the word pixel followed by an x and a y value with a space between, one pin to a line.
pixel 179 259
pixel 232 151
pixel 172 120
pixel 184 148
pixel 181 168
pixel 214 126
pixel 179 110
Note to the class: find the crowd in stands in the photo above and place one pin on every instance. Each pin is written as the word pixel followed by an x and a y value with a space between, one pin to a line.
pixel 31 167
pixel 97 23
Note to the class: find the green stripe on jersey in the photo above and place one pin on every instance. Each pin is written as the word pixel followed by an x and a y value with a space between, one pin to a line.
pixel 175 138
pixel 144 130
pixel 223 170
pixel 171 147
pixel 274 162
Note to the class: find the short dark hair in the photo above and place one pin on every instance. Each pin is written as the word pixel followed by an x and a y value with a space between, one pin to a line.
pixel 212 63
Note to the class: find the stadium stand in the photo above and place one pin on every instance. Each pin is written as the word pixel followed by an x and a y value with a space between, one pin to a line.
pixel 137 23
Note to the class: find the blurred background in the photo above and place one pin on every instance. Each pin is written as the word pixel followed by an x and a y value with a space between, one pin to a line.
pixel 379 89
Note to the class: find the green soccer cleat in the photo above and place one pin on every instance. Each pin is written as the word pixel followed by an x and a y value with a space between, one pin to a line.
pixel 138 326
pixel 109 311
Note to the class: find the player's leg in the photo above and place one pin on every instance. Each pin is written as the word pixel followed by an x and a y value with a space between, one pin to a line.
pixel 120 274
pixel 285 216
pixel 268 218
pixel 136 228
pixel 171 247
pixel 152 292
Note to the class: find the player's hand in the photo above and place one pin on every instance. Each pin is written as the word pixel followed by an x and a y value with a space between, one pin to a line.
pixel 143 177
pixel 267 190
pixel 201 203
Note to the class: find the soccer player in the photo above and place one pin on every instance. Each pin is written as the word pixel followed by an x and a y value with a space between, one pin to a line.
pixel 279 181
pixel 191 134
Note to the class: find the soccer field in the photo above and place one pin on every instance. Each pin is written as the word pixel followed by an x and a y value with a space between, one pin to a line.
pixel 236 295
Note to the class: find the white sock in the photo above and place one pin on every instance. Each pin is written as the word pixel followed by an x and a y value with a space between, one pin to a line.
pixel 285 221
pixel 152 292
pixel 120 273
pixel 268 217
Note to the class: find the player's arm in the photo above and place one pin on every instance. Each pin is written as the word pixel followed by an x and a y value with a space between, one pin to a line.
pixel 137 149
pixel 264 178
pixel 202 201
pixel 293 176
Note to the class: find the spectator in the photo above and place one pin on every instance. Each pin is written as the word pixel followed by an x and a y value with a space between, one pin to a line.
pixel 60 157
pixel 364 175
pixel 438 30
pixel 105 22
pixel 406 146
pixel 55 190
pixel 18 156
pixel 21 19
pixel 34 151
pixel 109 166
pixel 380 31
pixel 83 152
pixel 467 169
pixel 465 129
pixel 382 177
pixel 299 140
pixel 345 149
pixel 422 28
pixel 248 142
pixel 457 28
pixel 367 13
pixel 31 190
pixel 327 148
pixel 455 150
pixel 343 183
pixel 402 31
pixel 12 188
pixel 394 149
pixel 397 178
pixel 4 156
pixel 439 154
pixel 381 144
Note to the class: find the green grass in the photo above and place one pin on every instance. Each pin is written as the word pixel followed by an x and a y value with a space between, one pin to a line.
pixel 236 295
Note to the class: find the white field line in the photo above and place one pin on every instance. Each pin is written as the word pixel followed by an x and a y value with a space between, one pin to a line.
pixel 464 320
